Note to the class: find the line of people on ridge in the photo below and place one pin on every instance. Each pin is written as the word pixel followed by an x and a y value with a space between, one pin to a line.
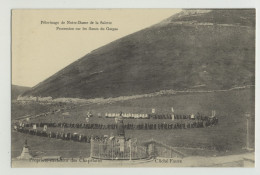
pixel 129 126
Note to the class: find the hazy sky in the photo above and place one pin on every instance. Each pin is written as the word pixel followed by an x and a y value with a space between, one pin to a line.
pixel 39 50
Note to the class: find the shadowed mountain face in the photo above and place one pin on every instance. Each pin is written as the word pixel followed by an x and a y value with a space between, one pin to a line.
pixel 202 49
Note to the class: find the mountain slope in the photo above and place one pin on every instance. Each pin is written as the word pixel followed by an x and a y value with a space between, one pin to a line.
pixel 18 90
pixel 211 49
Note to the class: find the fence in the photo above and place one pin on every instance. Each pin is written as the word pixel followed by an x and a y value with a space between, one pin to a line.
pixel 117 150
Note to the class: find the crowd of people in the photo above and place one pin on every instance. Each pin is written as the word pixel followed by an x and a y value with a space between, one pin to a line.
pixel 158 116
pixel 61 135
pixel 41 129
pixel 181 124
pixel 179 116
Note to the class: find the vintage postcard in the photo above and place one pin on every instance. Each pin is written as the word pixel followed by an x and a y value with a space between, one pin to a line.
pixel 133 88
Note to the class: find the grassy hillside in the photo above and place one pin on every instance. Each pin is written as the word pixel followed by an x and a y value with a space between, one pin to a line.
pixel 20 109
pixel 170 55
pixel 17 90
pixel 229 137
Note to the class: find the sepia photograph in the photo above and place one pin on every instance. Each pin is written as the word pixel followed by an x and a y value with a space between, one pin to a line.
pixel 133 87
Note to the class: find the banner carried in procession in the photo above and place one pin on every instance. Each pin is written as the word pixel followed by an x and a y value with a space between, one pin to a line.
pixel 66 113
pixel 45 128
